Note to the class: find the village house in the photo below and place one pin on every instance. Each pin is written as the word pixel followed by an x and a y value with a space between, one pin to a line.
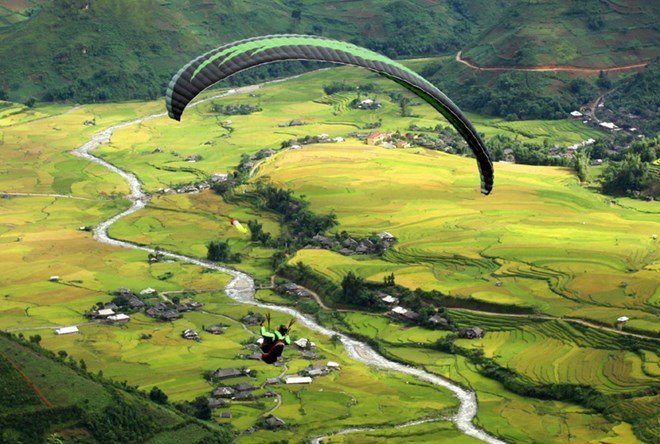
pixel 411 315
pixel 252 319
pixel 118 318
pixel 190 334
pixel 163 312
pixel 376 138
pixel 304 344
pixel 225 415
pixel 223 392
pixel 365 247
pixel 215 403
pixel 346 251
pixel 273 381
pixel 224 373
pixel 438 320
pixel 315 370
pixel 243 396
pixel 244 387
pixel 215 329
pixel 292 289
pixel 309 355
pixel 621 322
pixel 405 314
pixel 100 314
pixel 274 423
pixel 298 380
pixel 386 298
pixel 67 330
pixel 126 297
pixel 388 239
pixel 472 333
pixel 610 126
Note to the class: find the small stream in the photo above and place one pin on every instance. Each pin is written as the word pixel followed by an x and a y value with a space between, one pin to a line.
pixel 242 289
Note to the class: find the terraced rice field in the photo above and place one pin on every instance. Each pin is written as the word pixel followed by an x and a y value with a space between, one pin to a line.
pixel 552 245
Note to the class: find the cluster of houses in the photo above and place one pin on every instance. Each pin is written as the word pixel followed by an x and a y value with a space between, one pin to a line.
pixel 296 144
pixel 186 189
pixel 224 394
pixel 192 335
pixel 127 301
pixel 407 315
pixel 109 314
pixel 170 311
pixel 589 119
pixel 349 246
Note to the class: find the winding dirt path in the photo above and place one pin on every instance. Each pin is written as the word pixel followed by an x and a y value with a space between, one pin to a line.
pixel 550 68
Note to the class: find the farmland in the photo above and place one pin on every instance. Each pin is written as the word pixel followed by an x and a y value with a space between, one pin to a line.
pixel 553 246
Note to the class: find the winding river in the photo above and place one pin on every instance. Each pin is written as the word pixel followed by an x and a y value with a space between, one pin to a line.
pixel 241 288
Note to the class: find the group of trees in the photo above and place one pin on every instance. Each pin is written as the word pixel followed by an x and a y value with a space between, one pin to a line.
pixel 220 251
pixel 631 171
pixel 335 87
pixel 232 110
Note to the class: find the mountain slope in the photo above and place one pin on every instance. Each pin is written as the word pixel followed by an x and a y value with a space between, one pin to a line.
pixel 99 50
pixel 591 33
pixel 42 396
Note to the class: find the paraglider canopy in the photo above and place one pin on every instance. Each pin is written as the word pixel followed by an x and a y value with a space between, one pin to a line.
pixel 230 59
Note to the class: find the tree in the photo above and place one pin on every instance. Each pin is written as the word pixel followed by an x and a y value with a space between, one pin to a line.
pixel 36 339
pixel 581 159
pixel 352 287
pixel 277 259
pixel 157 395
pixel 629 175
pixel 219 251
pixel 201 408
pixel 603 81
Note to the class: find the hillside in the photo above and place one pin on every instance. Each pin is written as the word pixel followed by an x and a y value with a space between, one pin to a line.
pixel 73 405
pixel 596 34
pixel 90 51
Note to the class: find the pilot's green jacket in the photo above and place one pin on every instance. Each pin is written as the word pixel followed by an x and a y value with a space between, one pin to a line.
pixel 275 335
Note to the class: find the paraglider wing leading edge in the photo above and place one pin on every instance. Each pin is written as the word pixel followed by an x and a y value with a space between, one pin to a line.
pixel 230 59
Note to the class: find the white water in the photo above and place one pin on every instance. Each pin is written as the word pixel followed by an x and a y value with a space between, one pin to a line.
pixel 241 288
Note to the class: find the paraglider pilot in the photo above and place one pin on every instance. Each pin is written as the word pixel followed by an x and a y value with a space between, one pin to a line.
pixel 274 341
